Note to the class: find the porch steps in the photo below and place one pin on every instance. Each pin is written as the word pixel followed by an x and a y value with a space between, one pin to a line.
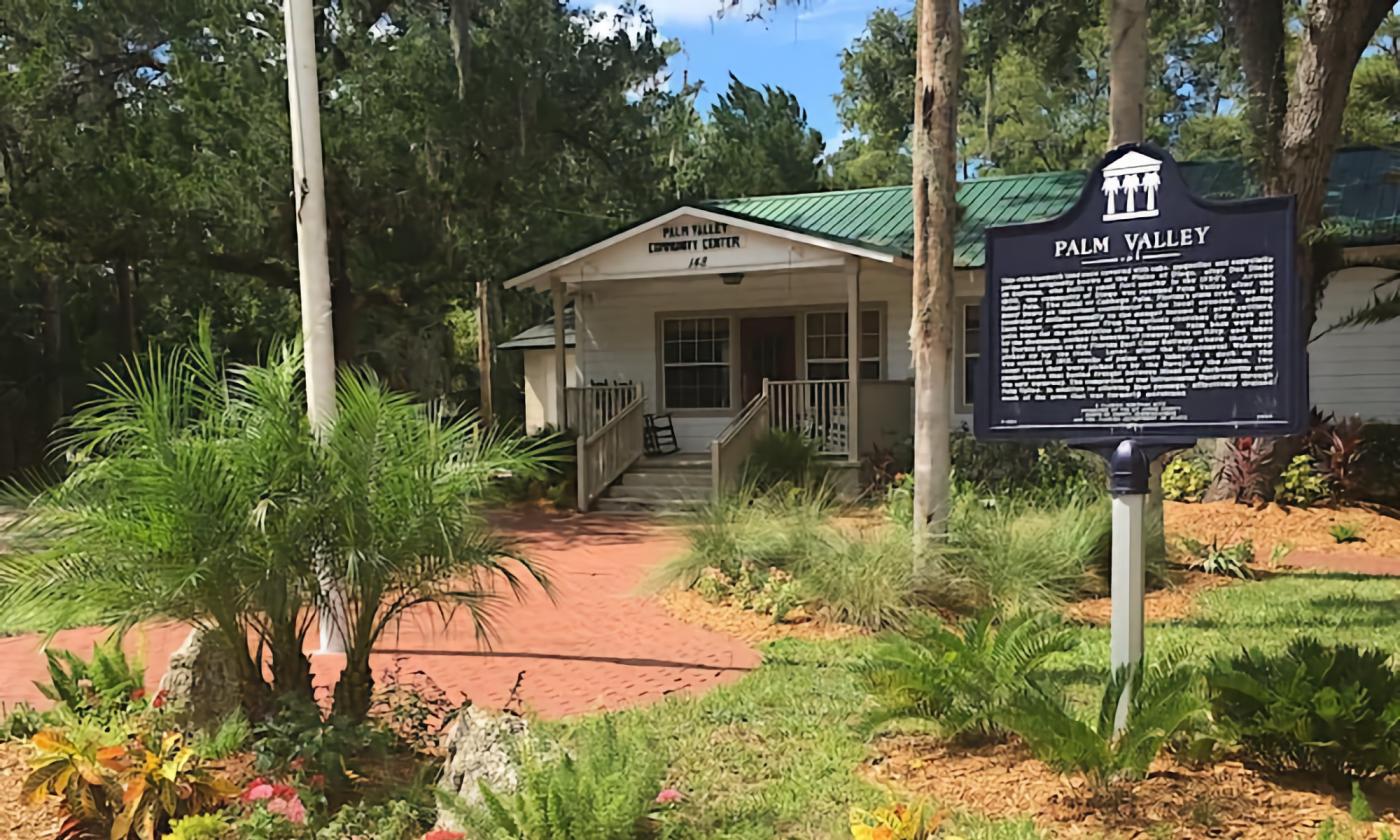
pixel 666 485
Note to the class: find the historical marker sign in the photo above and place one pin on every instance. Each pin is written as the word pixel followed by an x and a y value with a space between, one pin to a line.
pixel 1143 312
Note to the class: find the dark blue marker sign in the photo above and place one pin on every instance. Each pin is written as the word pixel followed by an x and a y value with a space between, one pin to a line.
pixel 1143 312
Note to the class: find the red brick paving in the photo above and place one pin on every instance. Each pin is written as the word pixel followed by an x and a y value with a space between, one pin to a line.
pixel 1356 563
pixel 597 646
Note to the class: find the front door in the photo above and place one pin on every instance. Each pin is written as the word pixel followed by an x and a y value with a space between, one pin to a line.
pixel 767 350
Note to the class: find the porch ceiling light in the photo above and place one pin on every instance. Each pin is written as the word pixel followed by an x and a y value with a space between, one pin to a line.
pixel 732 278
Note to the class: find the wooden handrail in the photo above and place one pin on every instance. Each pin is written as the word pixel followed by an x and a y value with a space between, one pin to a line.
pixel 732 446
pixel 606 453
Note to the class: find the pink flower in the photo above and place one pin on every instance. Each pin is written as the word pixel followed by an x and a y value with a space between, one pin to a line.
pixel 258 790
pixel 669 796
pixel 441 834
pixel 291 808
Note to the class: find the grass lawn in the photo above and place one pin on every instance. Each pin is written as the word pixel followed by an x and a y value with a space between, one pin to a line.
pixel 776 754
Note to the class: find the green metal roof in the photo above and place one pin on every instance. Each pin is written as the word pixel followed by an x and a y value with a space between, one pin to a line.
pixel 1363 201
pixel 542 335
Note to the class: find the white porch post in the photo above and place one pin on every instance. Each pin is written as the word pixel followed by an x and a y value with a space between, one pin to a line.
pixel 853 360
pixel 561 374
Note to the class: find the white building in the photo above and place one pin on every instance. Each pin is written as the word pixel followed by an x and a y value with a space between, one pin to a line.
pixel 731 316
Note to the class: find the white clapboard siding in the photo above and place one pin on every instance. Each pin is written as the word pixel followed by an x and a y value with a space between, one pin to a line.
pixel 1355 371
pixel 618 332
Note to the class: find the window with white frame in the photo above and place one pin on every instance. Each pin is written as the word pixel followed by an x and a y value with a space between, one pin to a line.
pixel 695 362
pixel 826 345
pixel 971 348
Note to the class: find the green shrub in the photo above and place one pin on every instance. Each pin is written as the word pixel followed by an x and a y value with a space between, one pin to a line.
pixel 1014 556
pixel 1380 464
pixel 862 579
pixel 1212 558
pixel 601 786
pixel 1346 532
pixel 1185 479
pixel 229 739
pixel 1165 702
pixel 899 501
pixel 1044 471
pixel 1327 709
pixel 296 737
pixel 397 820
pixel 104 687
pixel 201 827
pixel 782 457
pixel 1301 484
pixel 22 722
pixel 965 681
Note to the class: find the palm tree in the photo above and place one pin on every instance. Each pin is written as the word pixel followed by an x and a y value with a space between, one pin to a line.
pixel 200 494
pixel 402 501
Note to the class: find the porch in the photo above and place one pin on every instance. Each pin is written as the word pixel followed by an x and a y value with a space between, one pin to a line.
pixel 614 437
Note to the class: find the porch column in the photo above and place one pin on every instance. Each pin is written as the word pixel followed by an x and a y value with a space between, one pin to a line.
pixel 561 374
pixel 853 360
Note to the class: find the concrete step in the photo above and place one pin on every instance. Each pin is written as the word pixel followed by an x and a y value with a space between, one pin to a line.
pixel 632 504
pixel 666 478
pixel 658 492
pixel 675 462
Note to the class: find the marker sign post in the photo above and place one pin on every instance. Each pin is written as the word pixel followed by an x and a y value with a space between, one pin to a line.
pixel 1142 319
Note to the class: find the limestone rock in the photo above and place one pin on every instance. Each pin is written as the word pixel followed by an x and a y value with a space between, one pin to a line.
pixel 201 687
pixel 480 747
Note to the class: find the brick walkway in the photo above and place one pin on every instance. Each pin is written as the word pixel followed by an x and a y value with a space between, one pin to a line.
pixel 1355 563
pixel 598 646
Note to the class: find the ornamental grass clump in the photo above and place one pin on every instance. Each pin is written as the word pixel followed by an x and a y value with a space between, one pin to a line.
pixel 197 492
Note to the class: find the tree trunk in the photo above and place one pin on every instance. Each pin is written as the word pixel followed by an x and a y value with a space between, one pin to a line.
pixel 1258 28
pixel 1127 98
pixel 126 307
pixel 483 350
pixel 343 306
pixel 354 691
pixel 1127 74
pixel 52 342
pixel 459 19
pixel 935 213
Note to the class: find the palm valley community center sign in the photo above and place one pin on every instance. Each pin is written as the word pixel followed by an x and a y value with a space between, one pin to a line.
pixel 1143 312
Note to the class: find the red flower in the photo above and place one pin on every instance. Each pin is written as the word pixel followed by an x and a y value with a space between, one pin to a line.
pixel 317 781
pixel 159 700
pixel 138 694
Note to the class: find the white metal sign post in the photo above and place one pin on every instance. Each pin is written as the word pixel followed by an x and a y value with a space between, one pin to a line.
pixel 1128 473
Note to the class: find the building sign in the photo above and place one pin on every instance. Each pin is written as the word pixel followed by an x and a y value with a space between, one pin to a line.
pixel 696 240
pixel 1143 311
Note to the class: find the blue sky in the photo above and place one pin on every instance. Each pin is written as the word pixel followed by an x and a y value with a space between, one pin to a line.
pixel 796 48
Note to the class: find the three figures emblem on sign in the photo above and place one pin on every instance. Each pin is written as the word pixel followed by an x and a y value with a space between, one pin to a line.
pixel 1137 178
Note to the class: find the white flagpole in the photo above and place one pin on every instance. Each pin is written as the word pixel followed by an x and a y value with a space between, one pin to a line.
pixel 312 264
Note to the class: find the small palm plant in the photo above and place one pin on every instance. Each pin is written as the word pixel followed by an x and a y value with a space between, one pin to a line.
pixel 966 680
pixel 199 493
pixel 1166 699
pixel 401 494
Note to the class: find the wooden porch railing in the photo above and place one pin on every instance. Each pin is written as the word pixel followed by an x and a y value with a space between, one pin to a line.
pixel 814 407
pixel 731 448
pixel 589 409
pixel 608 451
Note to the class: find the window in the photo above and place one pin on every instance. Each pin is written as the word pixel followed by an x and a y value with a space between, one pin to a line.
pixel 971 347
pixel 695 362
pixel 826 345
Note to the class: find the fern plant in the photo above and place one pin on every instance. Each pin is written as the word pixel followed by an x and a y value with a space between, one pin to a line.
pixel 604 788
pixel 1164 701
pixel 103 687
pixel 965 681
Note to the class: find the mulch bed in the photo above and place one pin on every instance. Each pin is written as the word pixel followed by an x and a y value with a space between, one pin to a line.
pixel 21 822
pixel 749 626
pixel 1305 529
pixel 1228 799
pixel 1174 602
